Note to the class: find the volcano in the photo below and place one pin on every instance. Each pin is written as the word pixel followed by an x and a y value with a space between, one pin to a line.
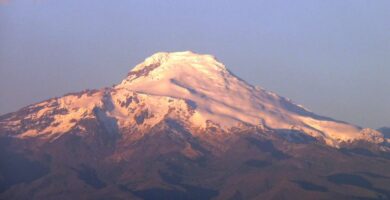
pixel 182 126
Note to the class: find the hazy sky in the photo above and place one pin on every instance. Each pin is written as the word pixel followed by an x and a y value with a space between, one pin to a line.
pixel 331 56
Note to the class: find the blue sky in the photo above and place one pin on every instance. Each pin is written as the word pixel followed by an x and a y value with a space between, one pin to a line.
pixel 331 56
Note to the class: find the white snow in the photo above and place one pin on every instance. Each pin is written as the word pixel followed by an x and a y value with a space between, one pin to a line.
pixel 78 107
pixel 197 90
pixel 226 100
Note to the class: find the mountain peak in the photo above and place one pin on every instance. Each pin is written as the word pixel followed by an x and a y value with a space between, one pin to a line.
pixel 179 59
pixel 178 72
pixel 225 100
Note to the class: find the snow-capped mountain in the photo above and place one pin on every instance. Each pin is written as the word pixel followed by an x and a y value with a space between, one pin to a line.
pixel 195 89
pixel 181 126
